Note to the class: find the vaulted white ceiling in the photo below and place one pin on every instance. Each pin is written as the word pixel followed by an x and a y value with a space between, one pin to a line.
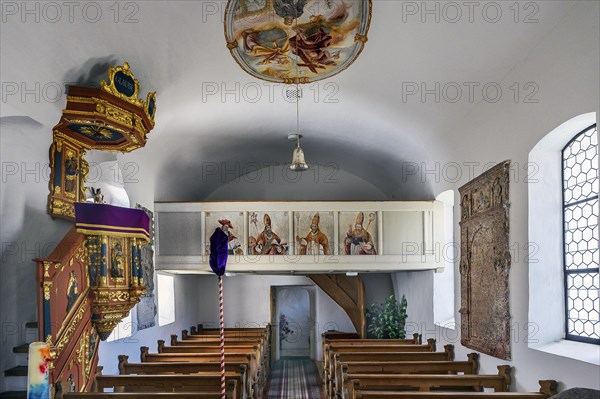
pixel 358 120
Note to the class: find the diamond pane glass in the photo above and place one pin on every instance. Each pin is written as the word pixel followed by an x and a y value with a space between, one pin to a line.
pixel 580 201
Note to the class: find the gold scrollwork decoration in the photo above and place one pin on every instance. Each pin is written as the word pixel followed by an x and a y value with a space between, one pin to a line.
pixel 68 332
pixel 47 287
pixel 111 88
pixel 151 99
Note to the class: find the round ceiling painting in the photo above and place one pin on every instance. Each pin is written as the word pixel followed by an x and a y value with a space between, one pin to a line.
pixel 277 40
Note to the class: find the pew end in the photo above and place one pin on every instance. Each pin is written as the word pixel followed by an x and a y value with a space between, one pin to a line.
pixel 161 345
pixel 504 371
pixel 173 339
pixel 548 387
pixel 123 360
pixel 431 344
pixel 184 334
pixel 418 338
pixel 473 358
pixel 95 381
pixel 232 389
pixel 193 330
pixel 143 353
pixel 449 349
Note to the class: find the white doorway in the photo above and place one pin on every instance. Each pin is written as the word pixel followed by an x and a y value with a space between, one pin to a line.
pixel 294 318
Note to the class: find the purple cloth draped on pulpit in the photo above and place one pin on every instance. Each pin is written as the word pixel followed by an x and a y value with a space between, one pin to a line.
pixel 218 252
pixel 97 219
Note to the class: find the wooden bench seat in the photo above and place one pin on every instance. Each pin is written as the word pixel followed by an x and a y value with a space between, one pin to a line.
pixel 336 348
pixel 425 382
pixel 470 366
pixel 229 347
pixel 415 340
pixel 228 333
pixel 145 395
pixel 230 390
pixel 383 356
pixel 247 383
pixel 200 329
pixel 547 389
pixel 210 382
pixel 255 372
pixel 229 342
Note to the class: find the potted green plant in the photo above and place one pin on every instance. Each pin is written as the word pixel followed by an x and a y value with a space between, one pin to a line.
pixel 387 320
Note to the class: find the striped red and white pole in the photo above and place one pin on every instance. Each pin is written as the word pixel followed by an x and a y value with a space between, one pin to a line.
pixel 223 391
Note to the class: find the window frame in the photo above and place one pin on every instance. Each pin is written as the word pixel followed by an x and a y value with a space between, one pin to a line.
pixel 566 271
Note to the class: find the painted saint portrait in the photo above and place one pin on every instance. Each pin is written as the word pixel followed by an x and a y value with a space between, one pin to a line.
pixel 72 291
pixel 117 261
pixel 358 233
pixel 232 224
pixel 314 233
pixel 268 233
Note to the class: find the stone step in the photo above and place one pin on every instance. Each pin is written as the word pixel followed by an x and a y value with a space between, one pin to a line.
pixel 23 348
pixel 18 371
pixel 13 395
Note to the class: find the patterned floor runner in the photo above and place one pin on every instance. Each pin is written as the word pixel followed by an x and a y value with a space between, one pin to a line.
pixel 294 378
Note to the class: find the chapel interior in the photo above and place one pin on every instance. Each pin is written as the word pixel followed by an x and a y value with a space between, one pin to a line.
pixel 299 199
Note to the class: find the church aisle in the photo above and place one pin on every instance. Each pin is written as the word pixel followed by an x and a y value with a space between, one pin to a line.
pixel 295 378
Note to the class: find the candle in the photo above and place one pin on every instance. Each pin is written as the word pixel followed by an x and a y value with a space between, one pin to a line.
pixel 37 378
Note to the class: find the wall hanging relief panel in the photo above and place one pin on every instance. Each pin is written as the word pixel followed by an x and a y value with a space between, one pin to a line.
pixel 485 263
pixel 279 40
pixel 146 308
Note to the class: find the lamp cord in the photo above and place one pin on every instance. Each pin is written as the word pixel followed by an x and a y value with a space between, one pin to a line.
pixel 297 87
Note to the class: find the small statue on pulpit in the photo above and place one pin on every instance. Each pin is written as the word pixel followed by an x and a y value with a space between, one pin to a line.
pixel 97 195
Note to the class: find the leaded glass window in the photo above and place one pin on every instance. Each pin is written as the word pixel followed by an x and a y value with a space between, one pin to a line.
pixel 580 201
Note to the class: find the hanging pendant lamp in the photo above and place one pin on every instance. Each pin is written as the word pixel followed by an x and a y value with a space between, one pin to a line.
pixel 298 162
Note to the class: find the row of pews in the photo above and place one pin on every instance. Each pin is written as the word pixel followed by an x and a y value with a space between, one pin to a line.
pixel 190 367
pixel 355 368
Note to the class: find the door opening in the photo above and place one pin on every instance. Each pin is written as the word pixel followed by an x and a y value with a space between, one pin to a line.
pixel 294 319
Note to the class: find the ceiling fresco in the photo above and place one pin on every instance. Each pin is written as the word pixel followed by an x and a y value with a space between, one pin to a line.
pixel 277 40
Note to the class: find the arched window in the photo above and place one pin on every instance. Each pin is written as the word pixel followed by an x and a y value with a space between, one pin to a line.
pixel 580 224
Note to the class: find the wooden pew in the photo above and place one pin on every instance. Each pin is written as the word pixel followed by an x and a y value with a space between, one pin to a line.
pixel 425 382
pixel 187 339
pixel 146 395
pixel 208 348
pixel 470 366
pixel 415 340
pixel 254 372
pixel 247 385
pixel 231 392
pixel 199 330
pixel 345 357
pixel 228 333
pixel 216 342
pixel 333 349
pixel 337 335
pixel 231 344
pixel 547 389
pixel 209 382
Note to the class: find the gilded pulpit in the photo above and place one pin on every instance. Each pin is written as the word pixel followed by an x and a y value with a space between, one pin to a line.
pixel 87 286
